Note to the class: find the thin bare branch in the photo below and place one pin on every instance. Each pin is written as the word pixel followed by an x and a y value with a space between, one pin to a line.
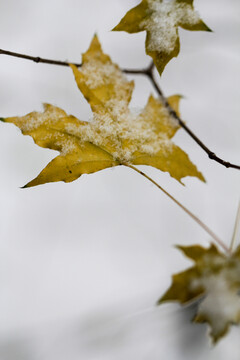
pixel 210 153
pixel 38 60
pixel 149 72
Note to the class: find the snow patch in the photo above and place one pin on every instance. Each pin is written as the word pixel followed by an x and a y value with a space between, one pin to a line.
pixel 166 16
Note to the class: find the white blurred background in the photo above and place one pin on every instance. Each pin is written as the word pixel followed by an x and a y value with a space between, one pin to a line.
pixel 83 264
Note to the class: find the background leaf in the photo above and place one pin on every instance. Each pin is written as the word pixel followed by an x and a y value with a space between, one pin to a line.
pixel 215 279
pixel 161 19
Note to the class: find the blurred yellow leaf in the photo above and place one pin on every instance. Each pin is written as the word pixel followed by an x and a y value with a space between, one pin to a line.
pixel 214 281
pixel 161 19
pixel 115 136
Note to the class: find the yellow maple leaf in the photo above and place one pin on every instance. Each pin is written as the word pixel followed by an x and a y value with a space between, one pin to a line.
pixel 214 281
pixel 115 136
pixel 161 19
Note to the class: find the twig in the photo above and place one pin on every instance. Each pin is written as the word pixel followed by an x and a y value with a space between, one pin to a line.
pixel 38 60
pixel 149 72
pixel 194 217
pixel 210 153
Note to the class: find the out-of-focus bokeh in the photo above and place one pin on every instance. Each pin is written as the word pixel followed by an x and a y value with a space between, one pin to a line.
pixel 83 264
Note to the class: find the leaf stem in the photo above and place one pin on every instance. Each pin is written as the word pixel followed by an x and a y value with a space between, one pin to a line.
pixel 236 228
pixel 194 217
pixel 149 72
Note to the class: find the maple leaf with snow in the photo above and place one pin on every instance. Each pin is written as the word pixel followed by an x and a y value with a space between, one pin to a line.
pixel 161 19
pixel 214 281
pixel 115 136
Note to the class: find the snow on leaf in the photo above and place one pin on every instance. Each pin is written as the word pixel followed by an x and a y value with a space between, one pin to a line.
pixel 115 136
pixel 214 281
pixel 161 19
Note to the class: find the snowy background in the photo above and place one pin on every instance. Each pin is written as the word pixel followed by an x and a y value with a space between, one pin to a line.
pixel 83 264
